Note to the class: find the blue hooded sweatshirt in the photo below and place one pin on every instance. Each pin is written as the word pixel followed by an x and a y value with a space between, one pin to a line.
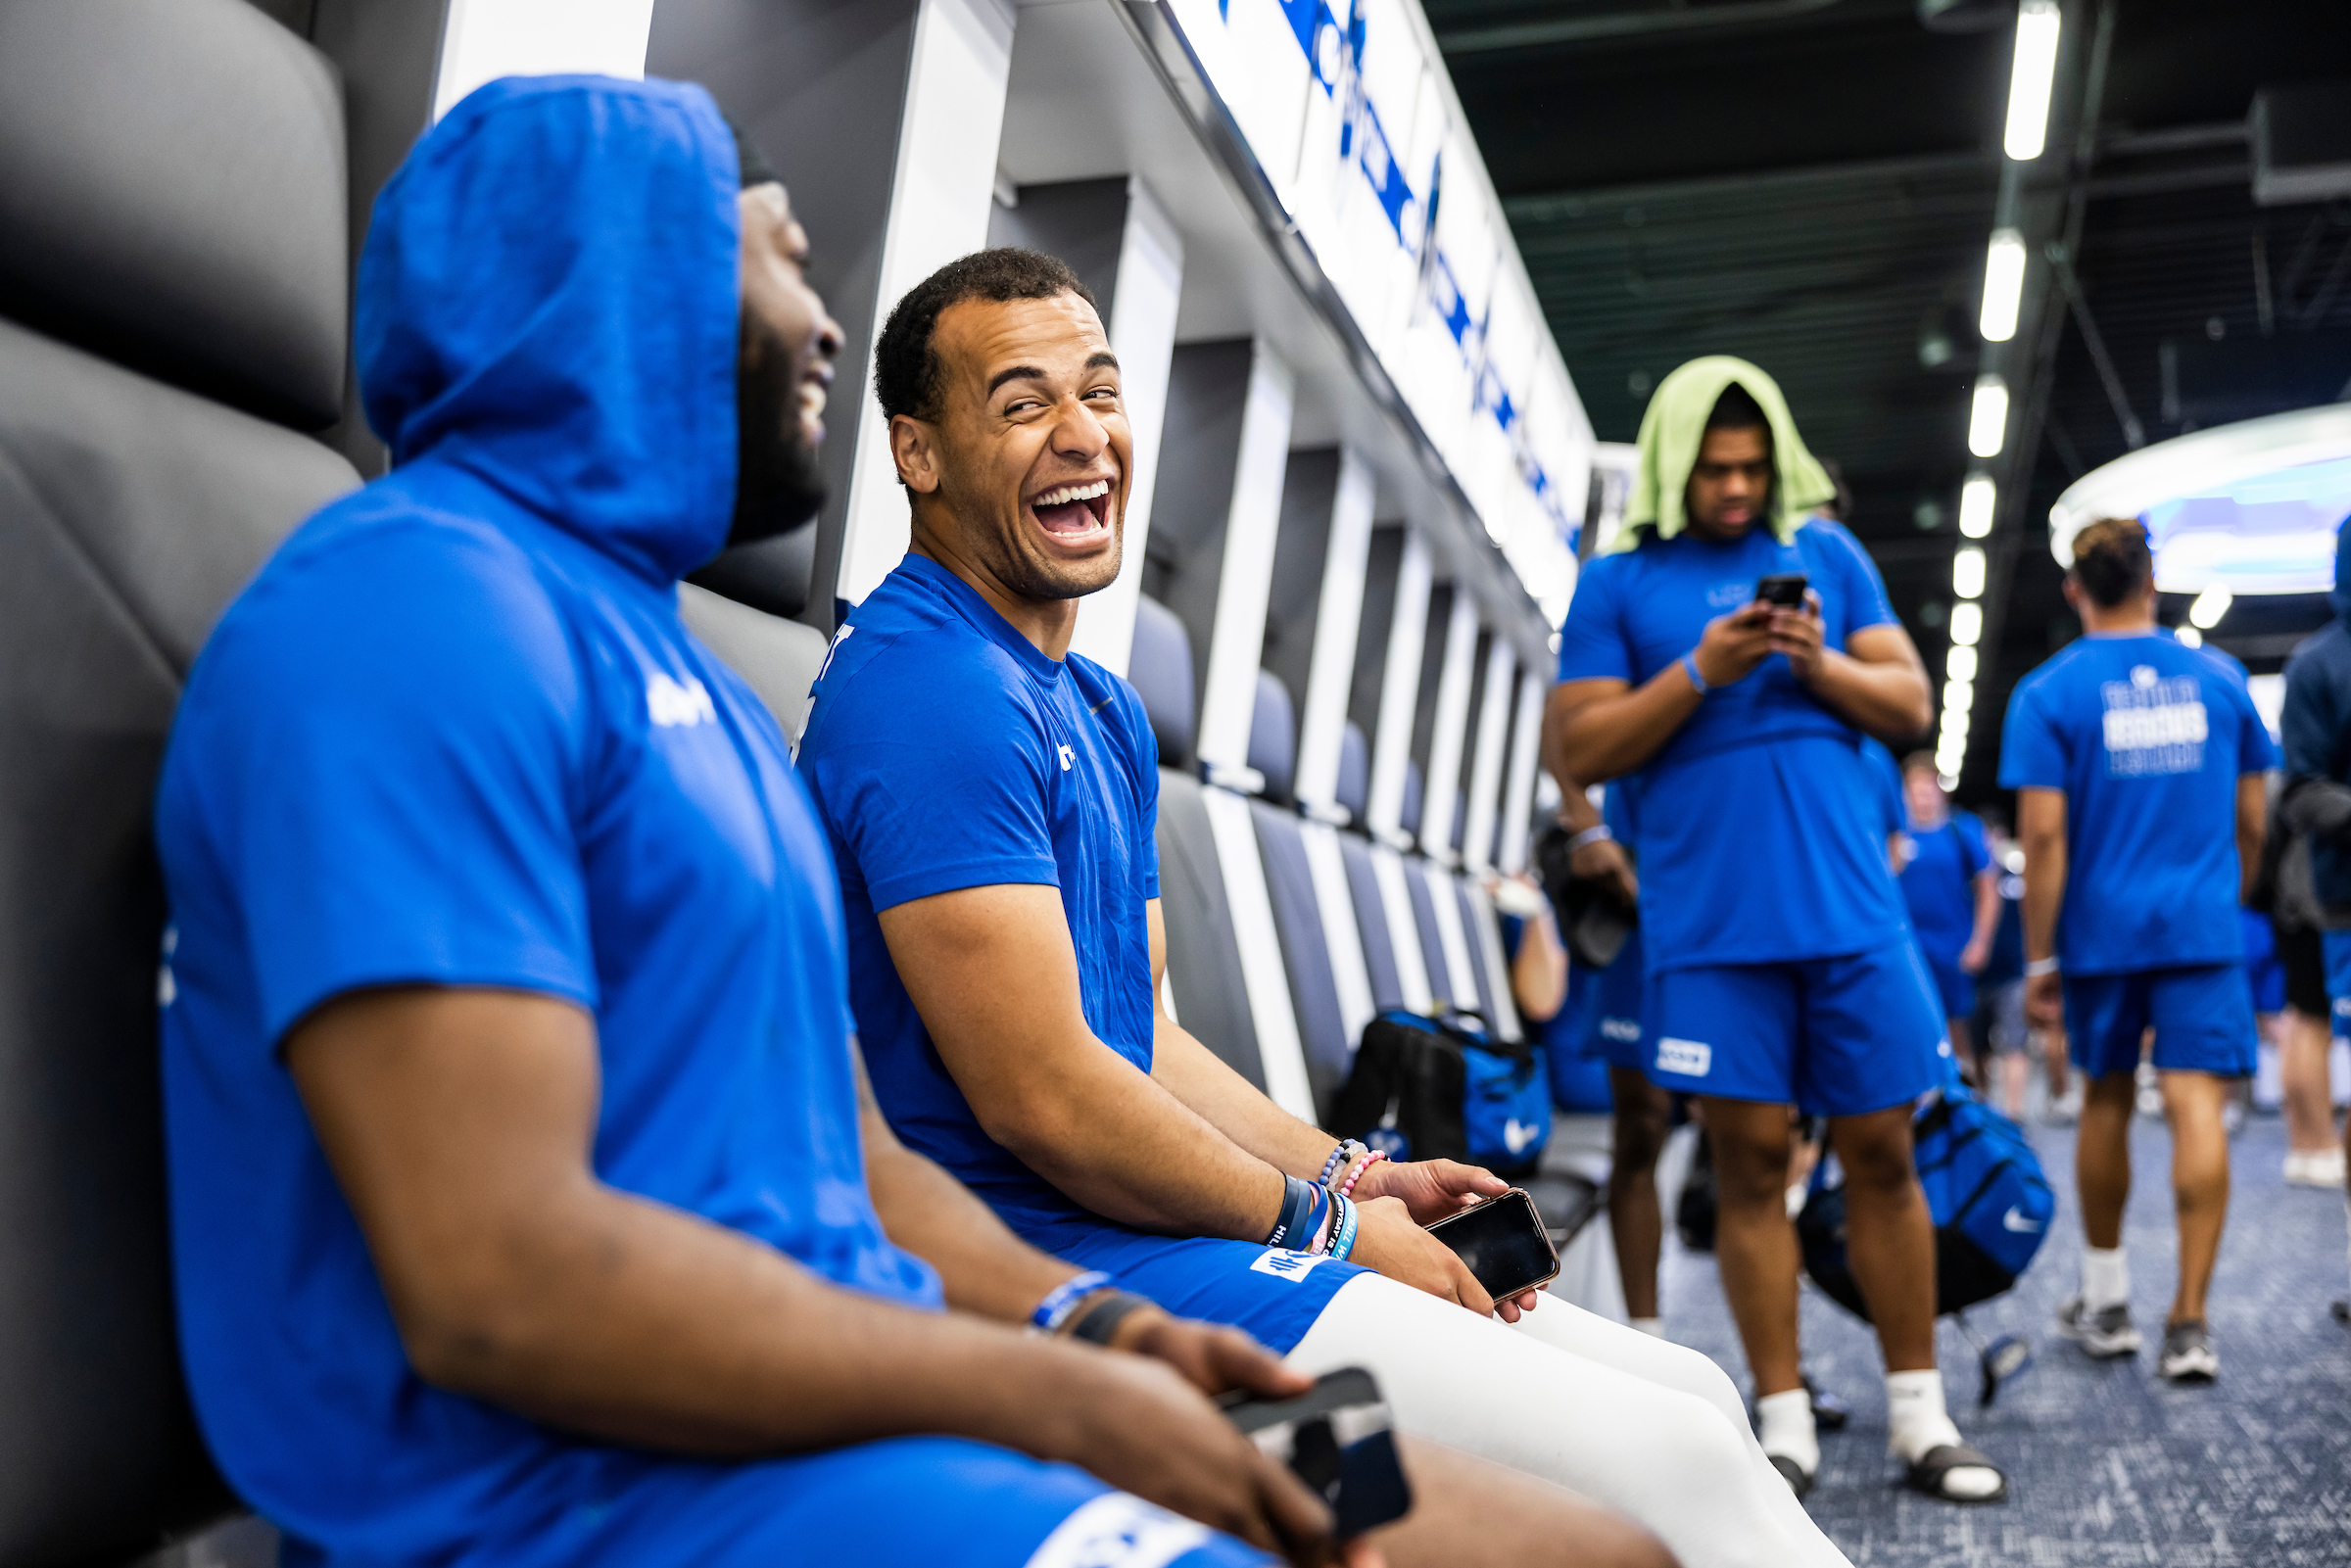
pixel 455 733
pixel 2317 726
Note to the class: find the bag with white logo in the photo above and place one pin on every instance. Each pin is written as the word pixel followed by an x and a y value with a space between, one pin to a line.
pixel 1990 1202
pixel 1426 1088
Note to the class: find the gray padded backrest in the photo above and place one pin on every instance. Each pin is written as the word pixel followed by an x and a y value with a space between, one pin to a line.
pixel 174 196
pixel 1484 999
pixel 1274 737
pixel 1354 786
pixel 1204 961
pixel 778 658
pixel 1305 950
pixel 1159 669
pixel 1372 922
pixel 1432 944
pixel 173 200
pixel 1408 814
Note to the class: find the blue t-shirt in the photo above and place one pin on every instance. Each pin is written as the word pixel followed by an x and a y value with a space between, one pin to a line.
pixel 945 751
pixel 2147 740
pixel 1756 843
pixel 1888 813
pixel 453 737
pixel 1939 883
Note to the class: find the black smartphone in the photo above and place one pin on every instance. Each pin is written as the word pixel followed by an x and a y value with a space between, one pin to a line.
pixel 1337 1438
pixel 1782 589
pixel 1504 1242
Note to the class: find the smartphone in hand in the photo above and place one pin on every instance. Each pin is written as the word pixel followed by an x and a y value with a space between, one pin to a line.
pixel 1337 1438
pixel 1504 1242
pixel 1783 591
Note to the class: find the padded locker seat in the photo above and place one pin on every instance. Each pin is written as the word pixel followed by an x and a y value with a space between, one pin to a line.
pixel 778 658
pixel 174 304
pixel 1204 982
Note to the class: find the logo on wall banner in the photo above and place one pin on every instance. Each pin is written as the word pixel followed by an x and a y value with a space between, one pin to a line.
pixel 1692 1059
pixel 2153 725
pixel 676 704
pixel 1289 1265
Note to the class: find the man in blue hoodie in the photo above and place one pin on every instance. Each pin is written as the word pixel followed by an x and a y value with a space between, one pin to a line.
pixel 2316 725
pixel 524 1210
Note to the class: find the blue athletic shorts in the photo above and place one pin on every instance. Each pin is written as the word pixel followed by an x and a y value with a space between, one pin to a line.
pixel 1832 1036
pixel 1619 1001
pixel 1953 985
pixel 2202 1015
pixel 905 1501
pixel 1273 1292
pixel 2337 947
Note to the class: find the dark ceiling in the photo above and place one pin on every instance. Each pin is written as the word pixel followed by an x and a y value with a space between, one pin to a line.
pixel 1810 184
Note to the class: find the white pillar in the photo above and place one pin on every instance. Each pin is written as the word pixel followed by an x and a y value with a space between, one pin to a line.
pixel 1142 334
pixel 1443 785
pixel 939 211
pixel 482 40
pixel 1399 694
pixel 1338 619
pixel 1519 800
pixel 1245 577
pixel 1485 764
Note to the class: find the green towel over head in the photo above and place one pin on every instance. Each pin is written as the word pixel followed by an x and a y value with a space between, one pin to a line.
pixel 1675 426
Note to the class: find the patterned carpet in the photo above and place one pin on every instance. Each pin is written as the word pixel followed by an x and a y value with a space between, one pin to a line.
pixel 2108 1466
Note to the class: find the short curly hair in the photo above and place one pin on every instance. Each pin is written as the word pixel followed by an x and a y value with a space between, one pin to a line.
pixel 906 368
pixel 2111 559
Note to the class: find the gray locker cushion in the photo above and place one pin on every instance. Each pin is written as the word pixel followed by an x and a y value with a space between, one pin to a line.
pixel 174 197
pixel 771 575
pixel 1372 920
pixel 1354 786
pixel 1274 737
pixel 1159 669
pixel 1204 961
pixel 129 514
pixel 1432 946
pixel 1496 1021
pixel 1407 815
pixel 1305 951
pixel 778 658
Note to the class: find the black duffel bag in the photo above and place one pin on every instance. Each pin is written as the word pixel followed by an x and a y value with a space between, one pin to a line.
pixel 1426 1088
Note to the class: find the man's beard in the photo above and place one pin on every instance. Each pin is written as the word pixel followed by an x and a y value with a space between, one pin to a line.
pixel 1040 577
pixel 779 478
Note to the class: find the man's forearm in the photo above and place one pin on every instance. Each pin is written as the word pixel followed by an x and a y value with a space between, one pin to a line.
pixel 2045 896
pixel 984 1268
pixel 1605 737
pixel 1234 1106
pixel 2319 807
pixel 1888 698
pixel 1988 907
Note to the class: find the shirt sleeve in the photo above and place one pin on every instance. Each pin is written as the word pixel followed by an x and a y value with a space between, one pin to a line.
pixel 1973 852
pixel 389 769
pixel 1146 776
pixel 1865 602
pixel 2256 751
pixel 2033 754
pixel 1592 641
pixel 931 773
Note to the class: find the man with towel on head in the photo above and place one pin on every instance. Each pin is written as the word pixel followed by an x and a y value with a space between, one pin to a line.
pixel 1725 659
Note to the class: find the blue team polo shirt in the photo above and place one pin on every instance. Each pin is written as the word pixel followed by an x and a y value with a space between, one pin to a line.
pixel 1758 817
pixel 1938 885
pixel 946 752
pixel 2147 740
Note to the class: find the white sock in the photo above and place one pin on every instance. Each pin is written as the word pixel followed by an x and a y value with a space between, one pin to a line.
pixel 1917 1424
pixel 1788 1429
pixel 1653 1327
pixel 2105 1277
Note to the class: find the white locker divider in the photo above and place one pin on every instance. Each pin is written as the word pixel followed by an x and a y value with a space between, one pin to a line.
pixel 1280 1054
pixel 1441 789
pixel 1461 977
pixel 1338 623
pixel 1486 937
pixel 939 198
pixel 1399 693
pixel 1403 932
pixel 1142 334
pixel 1518 806
pixel 482 40
pixel 1485 764
pixel 1326 863
pixel 1245 576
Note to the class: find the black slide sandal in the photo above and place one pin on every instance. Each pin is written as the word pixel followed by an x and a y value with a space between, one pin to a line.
pixel 1799 1481
pixel 1928 1474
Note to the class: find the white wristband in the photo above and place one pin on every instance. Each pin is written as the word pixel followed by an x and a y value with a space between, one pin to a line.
pixel 1590 836
pixel 2039 967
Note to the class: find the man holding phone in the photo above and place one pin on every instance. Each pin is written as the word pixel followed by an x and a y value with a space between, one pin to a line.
pixel 1728 654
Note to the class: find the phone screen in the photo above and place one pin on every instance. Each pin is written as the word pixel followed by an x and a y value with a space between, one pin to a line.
pixel 1785 589
pixel 1503 1243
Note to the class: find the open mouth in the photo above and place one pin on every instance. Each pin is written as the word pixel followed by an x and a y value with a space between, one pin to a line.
pixel 1074 513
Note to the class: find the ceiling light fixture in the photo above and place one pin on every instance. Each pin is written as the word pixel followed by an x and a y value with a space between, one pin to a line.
pixel 1959 663
pixel 1967 573
pixel 1987 417
pixel 2189 636
pixel 2210 605
pixel 1967 625
pixel 1979 498
pixel 2030 79
pixel 2003 285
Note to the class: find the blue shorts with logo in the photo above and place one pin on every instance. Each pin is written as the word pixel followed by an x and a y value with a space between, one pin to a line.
pixel 904 1502
pixel 1274 1294
pixel 1832 1036
pixel 2202 1016
pixel 2337 947
pixel 1952 984
pixel 1612 1020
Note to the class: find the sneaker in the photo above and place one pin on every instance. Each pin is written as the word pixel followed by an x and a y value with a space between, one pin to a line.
pixel 2107 1333
pixel 2319 1167
pixel 2066 1108
pixel 2150 1093
pixel 2188 1355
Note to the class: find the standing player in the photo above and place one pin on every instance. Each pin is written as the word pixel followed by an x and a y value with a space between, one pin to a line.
pixel 1955 897
pixel 1732 652
pixel 2138 765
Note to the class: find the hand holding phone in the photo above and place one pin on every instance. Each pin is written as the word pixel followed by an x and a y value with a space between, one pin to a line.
pixel 1503 1243
pixel 1337 1438
pixel 1782 591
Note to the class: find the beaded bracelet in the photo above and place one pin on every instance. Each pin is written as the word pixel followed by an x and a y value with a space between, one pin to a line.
pixel 1344 1242
pixel 1062 1298
pixel 1373 1158
pixel 1347 1150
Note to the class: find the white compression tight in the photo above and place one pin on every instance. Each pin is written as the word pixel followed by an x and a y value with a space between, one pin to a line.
pixel 1646 1427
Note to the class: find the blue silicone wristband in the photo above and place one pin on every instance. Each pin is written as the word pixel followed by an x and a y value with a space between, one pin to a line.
pixel 1297 1203
pixel 1697 682
pixel 1062 1298
pixel 1344 1242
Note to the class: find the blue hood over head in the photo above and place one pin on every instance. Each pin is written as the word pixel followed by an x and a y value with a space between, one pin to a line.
pixel 549 300
pixel 2340 594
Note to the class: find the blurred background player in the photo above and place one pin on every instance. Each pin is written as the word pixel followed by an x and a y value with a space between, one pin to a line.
pixel 1954 897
